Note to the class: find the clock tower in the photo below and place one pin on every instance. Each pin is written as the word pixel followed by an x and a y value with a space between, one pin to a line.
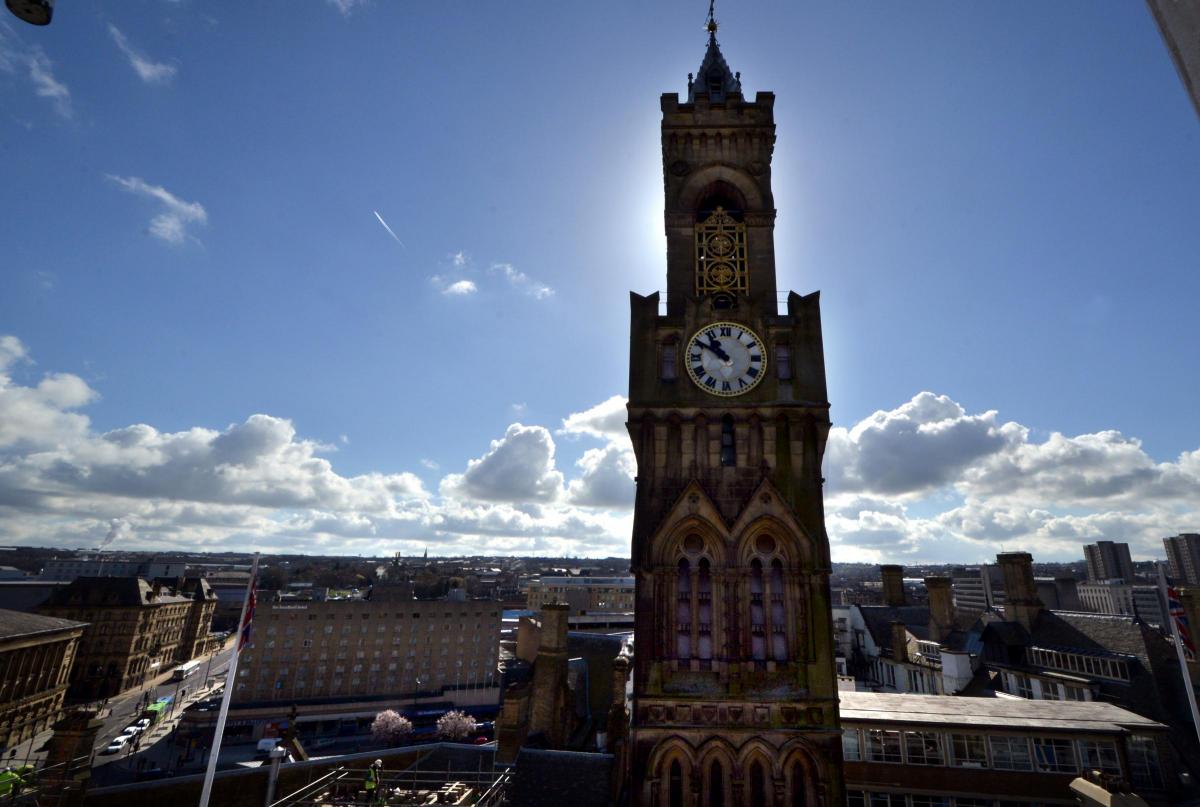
pixel 735 692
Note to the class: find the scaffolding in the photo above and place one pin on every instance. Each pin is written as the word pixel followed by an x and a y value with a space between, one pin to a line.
pixel 420 783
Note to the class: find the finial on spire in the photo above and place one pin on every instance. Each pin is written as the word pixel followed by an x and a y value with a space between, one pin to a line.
pixel 711 24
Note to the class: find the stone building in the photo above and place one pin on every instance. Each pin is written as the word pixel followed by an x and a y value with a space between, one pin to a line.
pixel 582 594
pixel 735 690
pixel 137 630
pixel 350 659
pixel 36 653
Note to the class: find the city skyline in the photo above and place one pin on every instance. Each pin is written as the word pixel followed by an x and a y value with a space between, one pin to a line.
pixel 360 301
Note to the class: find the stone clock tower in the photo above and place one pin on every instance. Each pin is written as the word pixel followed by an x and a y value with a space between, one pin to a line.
pixel 735 693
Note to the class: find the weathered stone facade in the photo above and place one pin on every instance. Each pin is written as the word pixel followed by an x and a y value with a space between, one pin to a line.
pixel 735 692
pixel 137 629
pixel 35 658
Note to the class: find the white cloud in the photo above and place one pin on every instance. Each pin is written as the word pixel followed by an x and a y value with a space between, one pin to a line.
pixel 347 7
pixel 258 483
pixel 460 288
pixel 522 281
pixel 14 55
pixel 171 224
pixel 605 420
pixel 149 71
pixel 517 468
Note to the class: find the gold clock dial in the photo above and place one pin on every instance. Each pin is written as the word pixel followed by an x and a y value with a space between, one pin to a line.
pixel 726 358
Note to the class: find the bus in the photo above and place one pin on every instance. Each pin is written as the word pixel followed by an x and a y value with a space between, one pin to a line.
pixel 187 670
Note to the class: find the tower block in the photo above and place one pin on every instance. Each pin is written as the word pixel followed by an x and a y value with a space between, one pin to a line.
pixel 735 690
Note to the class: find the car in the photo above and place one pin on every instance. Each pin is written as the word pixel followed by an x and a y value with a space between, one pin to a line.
pixel 117 744
pixel 144 723
pixel 132 731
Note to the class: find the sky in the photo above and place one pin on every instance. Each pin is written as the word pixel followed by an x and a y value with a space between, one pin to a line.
pixel 351 277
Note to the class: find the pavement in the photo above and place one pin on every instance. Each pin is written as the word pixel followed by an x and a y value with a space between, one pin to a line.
pixel 118 712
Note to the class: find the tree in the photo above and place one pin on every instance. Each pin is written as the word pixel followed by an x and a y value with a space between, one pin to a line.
pixel 455 725
pixel 390 727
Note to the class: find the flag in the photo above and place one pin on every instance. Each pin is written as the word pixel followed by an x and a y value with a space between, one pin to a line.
pixel 248 617
pixel 1179 617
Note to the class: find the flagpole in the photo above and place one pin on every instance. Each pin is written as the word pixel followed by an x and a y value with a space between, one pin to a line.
pixel 1187 677
pixel 230 683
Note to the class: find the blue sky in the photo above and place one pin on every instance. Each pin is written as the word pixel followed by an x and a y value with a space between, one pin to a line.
pixel 997 204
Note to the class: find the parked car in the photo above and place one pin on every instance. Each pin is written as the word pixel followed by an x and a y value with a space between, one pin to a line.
pixel 132 731
pixel 117 744
pixel 144 723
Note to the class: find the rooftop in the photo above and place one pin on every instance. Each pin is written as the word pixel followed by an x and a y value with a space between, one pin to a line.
pixel 14 624
pixel 997 713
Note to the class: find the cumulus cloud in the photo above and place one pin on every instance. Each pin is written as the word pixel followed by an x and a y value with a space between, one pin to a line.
pixel 259 483
pixel 148 71
pixel 519 467
pixel 460 288
pixel 171 224
pixel 15 56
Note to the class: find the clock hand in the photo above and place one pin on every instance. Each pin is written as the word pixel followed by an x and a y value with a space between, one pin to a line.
pixel 716 348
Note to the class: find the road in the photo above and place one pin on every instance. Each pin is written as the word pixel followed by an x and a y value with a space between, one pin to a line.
pixel 125 708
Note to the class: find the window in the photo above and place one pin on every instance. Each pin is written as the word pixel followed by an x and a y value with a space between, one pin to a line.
pixel 683 610
pixel 668 369
pixel 728 444
pixel 720 253
pixel 856 798
pixel 716 785
pixel 851 745
pixel 799 789
pixel 883 745
pixel 783 362
pixel 1075 693
pixel 675 796
pixel 1143 762
pixel 779 650
pixel 923 748
pixel 1020 685
pixel 929 801
pixel 885 800
pixel 1054 756
pixel 1099 755
pixel 1011 754
pixel 704 607
pixel 758 784
pixel 758 638
pixel 969 750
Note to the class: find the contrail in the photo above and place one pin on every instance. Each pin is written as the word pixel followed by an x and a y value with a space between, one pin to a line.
pixel 389 229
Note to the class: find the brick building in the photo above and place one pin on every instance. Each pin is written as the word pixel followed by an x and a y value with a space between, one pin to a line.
pixel 136 629
pixel 36 653
pixel 582 594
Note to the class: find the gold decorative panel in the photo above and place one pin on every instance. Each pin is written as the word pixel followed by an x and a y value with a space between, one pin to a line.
pixel 721 255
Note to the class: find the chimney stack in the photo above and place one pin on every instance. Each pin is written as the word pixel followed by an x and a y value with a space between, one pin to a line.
pixel 899 641
pixel 941 607
pixel 1021 602
pixel 893 585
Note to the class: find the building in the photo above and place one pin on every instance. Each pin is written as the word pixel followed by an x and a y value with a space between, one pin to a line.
pixel 28 594
pixel 1116 597
pixel 350 659
pixel 1183 557
pixel 230 590
pixel 36 653
pixel 903 750
pixel 1107 560
pixel 70 568
pixel 903 648
pixel 978 590
pixel 584 595
pixel 137 630
pixel 734 686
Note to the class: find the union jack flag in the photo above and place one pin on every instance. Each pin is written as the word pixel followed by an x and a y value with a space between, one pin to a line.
pixel 244 639
pixel 1179 616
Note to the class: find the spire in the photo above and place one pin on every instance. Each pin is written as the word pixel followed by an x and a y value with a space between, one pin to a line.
pixel 714 78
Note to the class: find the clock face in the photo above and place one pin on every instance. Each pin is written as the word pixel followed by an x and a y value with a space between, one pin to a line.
pixel 726 358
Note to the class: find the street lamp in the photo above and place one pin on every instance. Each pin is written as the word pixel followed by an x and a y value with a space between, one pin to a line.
pixel 34 12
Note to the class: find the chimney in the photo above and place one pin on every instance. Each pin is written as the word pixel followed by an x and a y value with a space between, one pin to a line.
pixel 1021 602
pixel 899 641
pixel 941 607
pixel 893 585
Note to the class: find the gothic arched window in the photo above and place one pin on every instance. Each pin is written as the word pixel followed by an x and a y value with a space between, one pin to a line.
pixel 683 610
pixel 778 620
pixel 716 785
pixel 758 639
pixel 704 606
pixel 728 442
pixel 758 784
pixel 720 251
pixel 799 796
pixel 675 780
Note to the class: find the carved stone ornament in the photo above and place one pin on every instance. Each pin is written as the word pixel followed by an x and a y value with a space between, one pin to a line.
pixel 762 714
pixel 757 168
pixel 680 168
pixel 760 218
